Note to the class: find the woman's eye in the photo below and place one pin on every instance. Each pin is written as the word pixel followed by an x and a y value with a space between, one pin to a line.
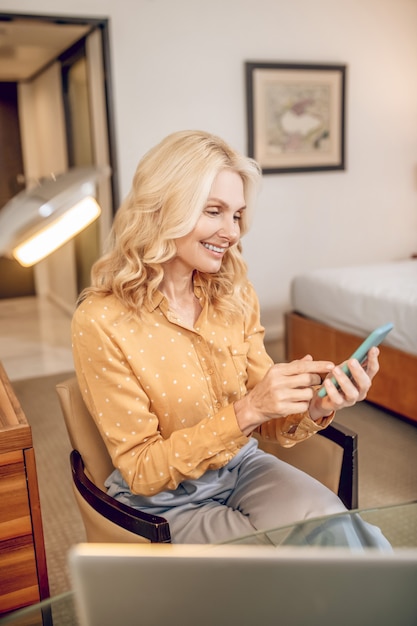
pixel 212 212
pixel 237 217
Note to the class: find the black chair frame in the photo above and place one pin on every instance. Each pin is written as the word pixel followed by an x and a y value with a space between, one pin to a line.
pixel 152 527
pixel 349 478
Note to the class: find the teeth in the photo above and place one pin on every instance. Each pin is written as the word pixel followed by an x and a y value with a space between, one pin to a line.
pixel 213 248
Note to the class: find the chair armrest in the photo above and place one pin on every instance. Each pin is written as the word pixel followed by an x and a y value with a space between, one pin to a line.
pixel 152 527
pixel 348 440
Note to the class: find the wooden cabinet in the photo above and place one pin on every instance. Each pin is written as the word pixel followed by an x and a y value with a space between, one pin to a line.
pixel 23 573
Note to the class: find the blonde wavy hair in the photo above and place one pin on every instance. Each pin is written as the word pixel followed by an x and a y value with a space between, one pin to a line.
pixel 169 191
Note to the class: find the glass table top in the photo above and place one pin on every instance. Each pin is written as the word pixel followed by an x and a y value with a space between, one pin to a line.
pixel 397 522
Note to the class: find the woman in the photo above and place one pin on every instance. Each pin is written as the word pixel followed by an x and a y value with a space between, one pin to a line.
pixel 169 355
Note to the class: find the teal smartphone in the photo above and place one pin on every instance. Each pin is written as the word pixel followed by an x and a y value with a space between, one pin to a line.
pixel 374 339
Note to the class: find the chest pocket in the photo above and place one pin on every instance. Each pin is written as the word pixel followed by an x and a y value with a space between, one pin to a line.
pixel 239 354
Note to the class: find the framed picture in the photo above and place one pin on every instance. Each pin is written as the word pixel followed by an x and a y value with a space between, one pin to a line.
pixel 296 116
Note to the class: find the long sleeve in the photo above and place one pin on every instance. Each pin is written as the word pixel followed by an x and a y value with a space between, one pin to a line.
pixel 291 430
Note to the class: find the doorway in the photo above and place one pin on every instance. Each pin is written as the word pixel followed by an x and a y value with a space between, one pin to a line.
pixel 46 59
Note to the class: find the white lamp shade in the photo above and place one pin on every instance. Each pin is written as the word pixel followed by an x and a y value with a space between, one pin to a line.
pixel 36 222
pixel 58 232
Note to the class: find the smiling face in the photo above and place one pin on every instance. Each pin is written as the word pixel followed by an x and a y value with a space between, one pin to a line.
pixel 217 229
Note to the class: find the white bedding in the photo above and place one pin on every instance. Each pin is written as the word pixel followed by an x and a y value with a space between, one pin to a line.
pixel 358 299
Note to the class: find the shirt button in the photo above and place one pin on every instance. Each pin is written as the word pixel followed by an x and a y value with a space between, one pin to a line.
pixel 210 372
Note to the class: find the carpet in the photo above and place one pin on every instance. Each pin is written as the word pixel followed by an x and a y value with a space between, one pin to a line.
pixel 387 465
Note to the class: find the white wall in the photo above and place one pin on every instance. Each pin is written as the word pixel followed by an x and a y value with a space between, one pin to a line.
pixel 179 64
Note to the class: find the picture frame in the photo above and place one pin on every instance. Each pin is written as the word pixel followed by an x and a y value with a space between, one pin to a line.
pixel 296 116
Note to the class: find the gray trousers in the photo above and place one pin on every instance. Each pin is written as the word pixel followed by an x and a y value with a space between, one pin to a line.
pixel 254 492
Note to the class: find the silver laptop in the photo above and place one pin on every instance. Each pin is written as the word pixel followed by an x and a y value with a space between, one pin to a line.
pixel 190 585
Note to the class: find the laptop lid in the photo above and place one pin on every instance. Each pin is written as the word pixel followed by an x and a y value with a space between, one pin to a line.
pixel 190 585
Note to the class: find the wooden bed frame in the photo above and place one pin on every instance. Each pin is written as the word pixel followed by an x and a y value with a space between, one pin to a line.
pixel 395 386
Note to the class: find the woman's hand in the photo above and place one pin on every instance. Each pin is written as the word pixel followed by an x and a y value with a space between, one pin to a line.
pixel 351 390
pixel 286 389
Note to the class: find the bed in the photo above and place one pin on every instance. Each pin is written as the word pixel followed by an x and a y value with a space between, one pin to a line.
pixel 332 310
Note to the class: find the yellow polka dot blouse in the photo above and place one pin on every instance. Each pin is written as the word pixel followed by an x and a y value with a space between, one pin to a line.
pixel 162 394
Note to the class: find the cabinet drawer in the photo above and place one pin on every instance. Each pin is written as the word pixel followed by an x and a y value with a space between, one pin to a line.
pixel 18 574
pixel 14 501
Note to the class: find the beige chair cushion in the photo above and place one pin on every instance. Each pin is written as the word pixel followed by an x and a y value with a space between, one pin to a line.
pixel 83 432
pixel 101 530
pixel 85 438
pixel 319 457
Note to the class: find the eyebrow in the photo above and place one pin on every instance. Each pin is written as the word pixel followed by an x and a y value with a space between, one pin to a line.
pixel 224 204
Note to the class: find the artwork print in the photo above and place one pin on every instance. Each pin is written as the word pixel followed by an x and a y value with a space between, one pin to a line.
pixel 295 116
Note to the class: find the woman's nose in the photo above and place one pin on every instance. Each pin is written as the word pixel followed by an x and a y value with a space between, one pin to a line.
pixel 230 230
